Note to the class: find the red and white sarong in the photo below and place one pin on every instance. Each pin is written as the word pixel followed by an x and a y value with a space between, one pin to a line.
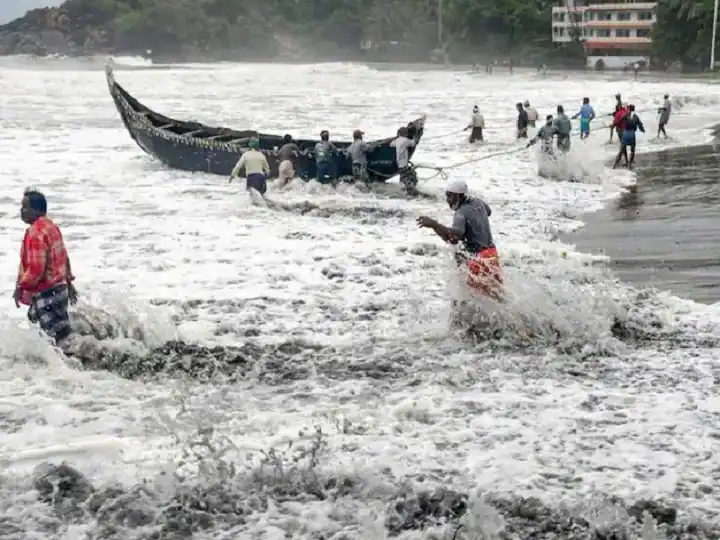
pixel 485 274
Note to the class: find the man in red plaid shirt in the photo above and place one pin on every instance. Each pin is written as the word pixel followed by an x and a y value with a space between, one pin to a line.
pixel 45 277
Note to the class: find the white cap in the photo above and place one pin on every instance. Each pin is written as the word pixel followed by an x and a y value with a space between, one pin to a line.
pixel 459 187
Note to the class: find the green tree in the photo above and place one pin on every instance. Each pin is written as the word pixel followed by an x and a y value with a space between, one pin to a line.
pixel 683 31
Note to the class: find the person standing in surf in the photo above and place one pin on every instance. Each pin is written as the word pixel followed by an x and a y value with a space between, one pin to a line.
pixel 619 120
pixel 664 112
pixel 532 113
pixel 324 151
pixel 564 128
pixel 402 144
pixel 45 278
pixel 546 134
pixel 287 152
pixel 256 166
pixel 358 151
pixel 618 107
pixel 586 114
pixel 522 122
pixel 471 227
pixel 476 125
pixel 631 124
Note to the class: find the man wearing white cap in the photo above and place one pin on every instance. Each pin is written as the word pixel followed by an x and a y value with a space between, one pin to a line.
pixel 471 226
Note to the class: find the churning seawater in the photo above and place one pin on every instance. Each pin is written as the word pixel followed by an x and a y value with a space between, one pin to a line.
pixel 291 372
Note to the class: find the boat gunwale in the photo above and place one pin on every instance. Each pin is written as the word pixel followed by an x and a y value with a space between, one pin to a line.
pixel 136 120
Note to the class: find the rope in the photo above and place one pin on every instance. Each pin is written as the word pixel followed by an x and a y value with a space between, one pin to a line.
pixel 440 171
pixel 436 137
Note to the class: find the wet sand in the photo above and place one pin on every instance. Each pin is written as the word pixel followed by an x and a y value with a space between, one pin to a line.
pixel 665 231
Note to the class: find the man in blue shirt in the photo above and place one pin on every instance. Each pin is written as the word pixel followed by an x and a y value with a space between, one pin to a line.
pixel 586 114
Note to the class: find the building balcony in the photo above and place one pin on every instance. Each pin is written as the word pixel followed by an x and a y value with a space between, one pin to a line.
pixel 644 6
pixel 616 24
pixel 603 5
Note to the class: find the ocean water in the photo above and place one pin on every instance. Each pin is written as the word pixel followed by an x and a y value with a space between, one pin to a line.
pixel 663 232
pixel 291 372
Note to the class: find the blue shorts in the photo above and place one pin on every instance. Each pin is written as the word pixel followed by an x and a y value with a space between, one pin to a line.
pixel 628 138
pixel 584 125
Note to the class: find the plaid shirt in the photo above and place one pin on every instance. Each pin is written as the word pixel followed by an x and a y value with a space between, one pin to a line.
pixel 44 261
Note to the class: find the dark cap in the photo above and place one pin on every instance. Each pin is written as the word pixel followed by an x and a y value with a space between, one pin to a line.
pixel 358 133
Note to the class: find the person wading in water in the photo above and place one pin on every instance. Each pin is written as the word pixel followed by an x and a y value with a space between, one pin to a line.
pixel 477 124
pixel 358 151
pixel 564 128
pixel 402 144
pixel 586 114
pixel 287 152
pixel 522 121
pixel 618 107
pixel 324 152
pixel 631 124
pixel 44 278
pixel 471 226
pixel 545 134
pixel 664 112
pixel 256 166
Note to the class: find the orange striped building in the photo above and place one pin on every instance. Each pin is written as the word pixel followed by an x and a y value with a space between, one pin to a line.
pixel 615 32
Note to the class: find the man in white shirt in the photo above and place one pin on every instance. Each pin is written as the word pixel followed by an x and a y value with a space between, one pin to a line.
pixel 256 166
pixel 477 124
pixel 402 145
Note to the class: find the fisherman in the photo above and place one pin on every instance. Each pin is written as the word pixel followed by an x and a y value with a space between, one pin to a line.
pixel 545 134
pixel 564 128
pixel 287 152
pixel 664 112
pixel 532 113
pixel 324 151
pixel 471 226
pixel 477 124
pixel 522 121
pixel 618 106
pixel 402 144
pixel 632 123
pixel 619 120
pixel 45 277
pixel 256 167
pixel 358 151
pixel 586 114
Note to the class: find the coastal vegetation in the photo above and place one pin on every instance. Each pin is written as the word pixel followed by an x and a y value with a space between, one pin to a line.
pixel 407 29
pixel 683 32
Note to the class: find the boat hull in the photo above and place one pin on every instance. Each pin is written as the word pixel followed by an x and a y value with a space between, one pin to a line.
pixel 192 146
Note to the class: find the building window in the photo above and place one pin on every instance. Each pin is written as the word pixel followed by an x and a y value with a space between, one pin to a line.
pixel 645 16
pixel 622 33
pixel 559 17
pixel 590 15
pixel 603 33
pixel 623 16
pixel 576 17
pixel 642 33
pixel 605 16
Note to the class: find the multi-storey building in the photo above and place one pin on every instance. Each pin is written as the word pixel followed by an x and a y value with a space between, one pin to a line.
pixel 614 31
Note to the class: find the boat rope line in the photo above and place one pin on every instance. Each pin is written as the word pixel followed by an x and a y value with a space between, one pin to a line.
pixel 436 137
pixel 441 171
pixel 142 123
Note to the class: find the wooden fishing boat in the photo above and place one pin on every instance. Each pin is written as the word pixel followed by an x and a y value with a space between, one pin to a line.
pixel 192 146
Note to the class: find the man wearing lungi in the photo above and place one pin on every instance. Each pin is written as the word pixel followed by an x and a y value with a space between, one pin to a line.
pixel 45 278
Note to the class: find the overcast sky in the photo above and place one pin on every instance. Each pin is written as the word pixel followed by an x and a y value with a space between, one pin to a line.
pixel 12 9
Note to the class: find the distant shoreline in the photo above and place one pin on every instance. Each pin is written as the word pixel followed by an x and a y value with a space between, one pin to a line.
pixel 649 76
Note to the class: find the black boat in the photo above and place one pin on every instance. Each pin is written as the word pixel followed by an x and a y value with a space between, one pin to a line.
pixel 192 146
